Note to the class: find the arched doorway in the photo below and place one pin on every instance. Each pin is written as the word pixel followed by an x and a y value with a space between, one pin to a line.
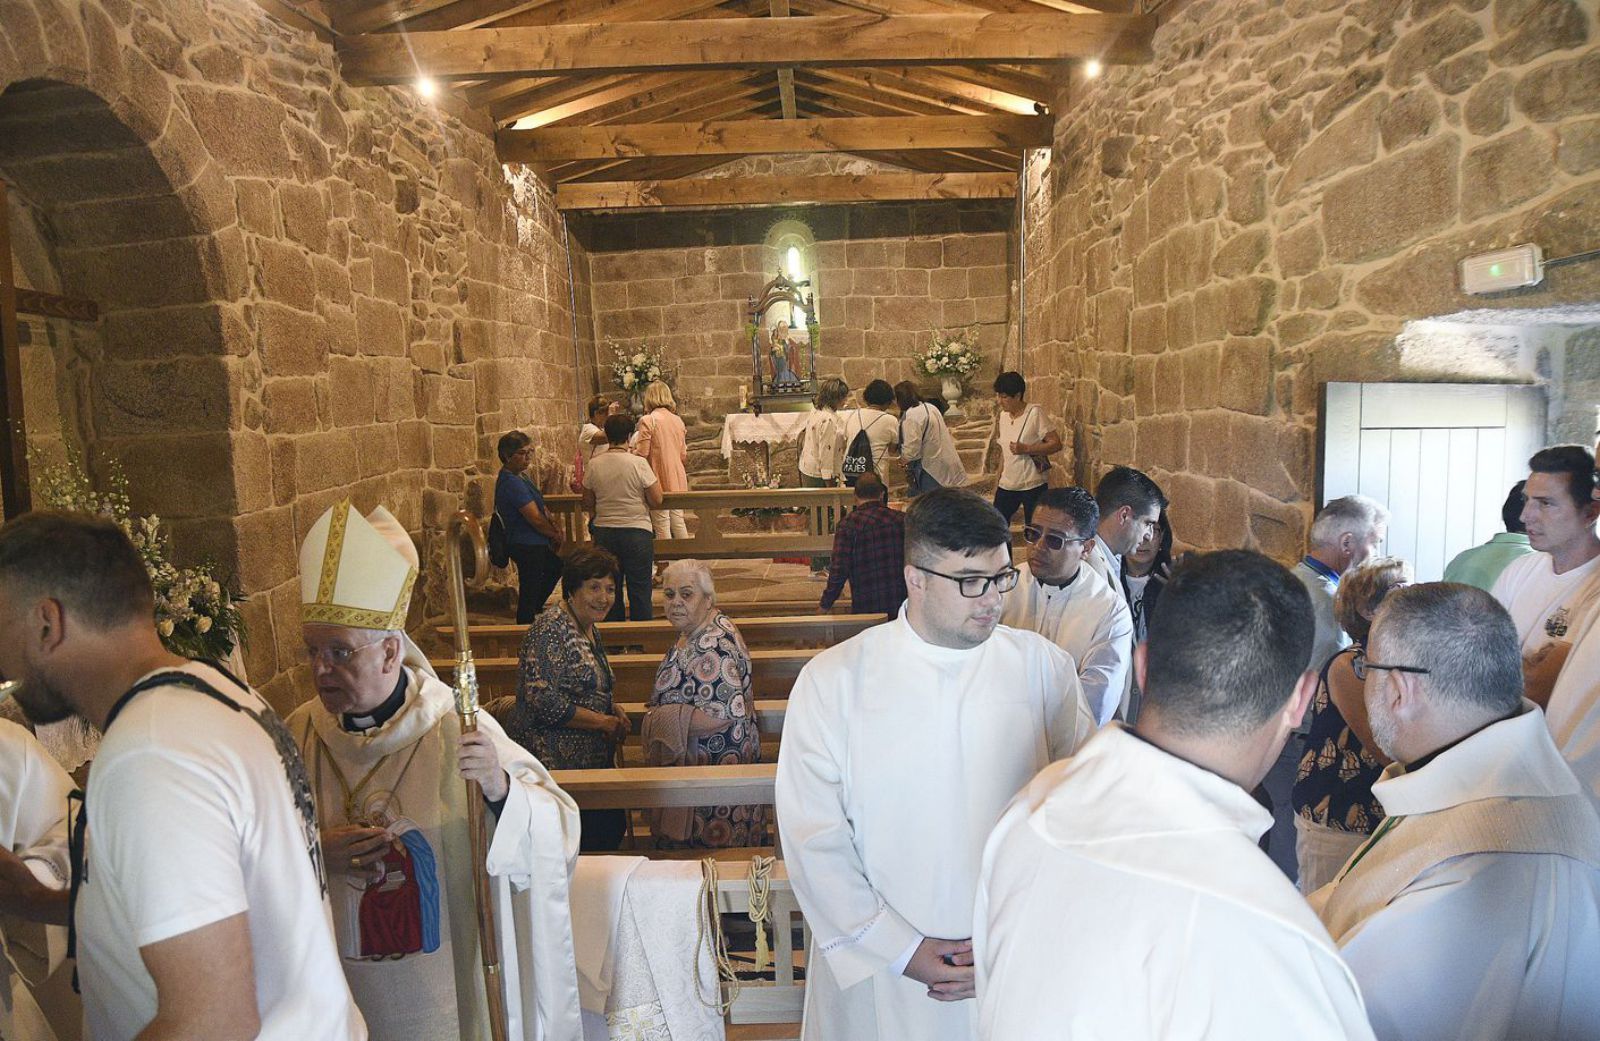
pixel 150 384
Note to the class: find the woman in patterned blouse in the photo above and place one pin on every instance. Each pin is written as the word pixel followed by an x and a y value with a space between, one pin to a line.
pixel 1334 807
pixel 564 714
pixel 704 685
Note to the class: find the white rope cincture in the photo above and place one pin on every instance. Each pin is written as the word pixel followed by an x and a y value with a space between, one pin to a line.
pixel 708 927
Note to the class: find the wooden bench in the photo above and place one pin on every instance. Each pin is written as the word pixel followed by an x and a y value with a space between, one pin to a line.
pixel 657 637
pixel 773 672
pixel 820 508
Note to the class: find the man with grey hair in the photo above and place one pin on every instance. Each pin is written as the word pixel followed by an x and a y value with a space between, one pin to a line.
pixel 1345 534
pixel 1473 912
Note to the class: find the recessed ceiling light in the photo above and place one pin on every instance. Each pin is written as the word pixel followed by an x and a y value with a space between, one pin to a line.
pixel 426 87
pixel 1091 68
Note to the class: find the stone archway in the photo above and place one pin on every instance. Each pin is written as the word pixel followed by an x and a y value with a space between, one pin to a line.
pixel 108 217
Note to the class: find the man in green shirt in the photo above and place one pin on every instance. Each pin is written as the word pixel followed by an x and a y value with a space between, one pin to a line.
pixel 1481 565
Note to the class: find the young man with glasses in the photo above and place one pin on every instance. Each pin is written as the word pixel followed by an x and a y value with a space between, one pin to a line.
pixel 1068 603
pixel 1473 912
pixel 900 749
pixel 386 756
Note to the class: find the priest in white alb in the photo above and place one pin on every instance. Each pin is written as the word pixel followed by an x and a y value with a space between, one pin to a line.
pixel 901 746
pixel 387 760
pixel 1123 895
pixel 33 881
pixel 1473 912
pixel 1067 602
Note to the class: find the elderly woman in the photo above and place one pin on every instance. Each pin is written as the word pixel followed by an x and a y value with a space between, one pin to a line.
pixel 1334 807
pixel 563 713
pixel 701 712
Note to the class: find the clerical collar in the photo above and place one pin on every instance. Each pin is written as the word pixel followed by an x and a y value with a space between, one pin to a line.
pixel 1320 568
pixel 1058 586
pixel 1413 767
pixel 379 716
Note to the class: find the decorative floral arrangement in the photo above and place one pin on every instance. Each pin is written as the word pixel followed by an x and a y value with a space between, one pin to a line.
pixel 637 369
pixel 952 354
pixel 196 615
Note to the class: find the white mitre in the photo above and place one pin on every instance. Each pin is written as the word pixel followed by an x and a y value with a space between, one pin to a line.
pixel 357 571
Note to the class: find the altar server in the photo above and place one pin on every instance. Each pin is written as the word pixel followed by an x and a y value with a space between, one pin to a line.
pixel 1473 912
pixel 1066 601
pixel 1123 894
pixel 33 878
pixel 900 748
pixel 1574 713
pixel 387 758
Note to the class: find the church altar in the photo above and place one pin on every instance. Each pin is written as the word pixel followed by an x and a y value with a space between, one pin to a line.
pixel 766 429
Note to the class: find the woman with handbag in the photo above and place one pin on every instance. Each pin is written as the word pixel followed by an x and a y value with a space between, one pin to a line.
pixel 1026 444
pixel 532 538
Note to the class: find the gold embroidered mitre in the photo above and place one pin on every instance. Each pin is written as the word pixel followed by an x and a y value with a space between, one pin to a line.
pixel 357 571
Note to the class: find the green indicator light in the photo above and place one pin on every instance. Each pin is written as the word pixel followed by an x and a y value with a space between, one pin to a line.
pixel 1494 270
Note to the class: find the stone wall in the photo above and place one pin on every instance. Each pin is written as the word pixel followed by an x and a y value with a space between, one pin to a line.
pixel 307 291
pixel 1263 207
pixel 888 276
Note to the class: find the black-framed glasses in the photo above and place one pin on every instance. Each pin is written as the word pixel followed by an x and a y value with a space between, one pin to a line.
pixel 1054 541
pixel 1359 665
pixel 974 586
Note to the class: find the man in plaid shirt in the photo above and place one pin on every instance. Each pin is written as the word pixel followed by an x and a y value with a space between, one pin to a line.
pixel 869 551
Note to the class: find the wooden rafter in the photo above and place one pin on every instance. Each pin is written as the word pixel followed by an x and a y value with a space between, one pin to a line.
pixel 780 9
pixel 751 136
pixel 781 191
pixel 830 40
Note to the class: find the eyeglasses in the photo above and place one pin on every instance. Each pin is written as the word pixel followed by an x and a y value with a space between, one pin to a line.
pixel 1054 541
pixel 336 656
pixel 1359 665
pixel 974 586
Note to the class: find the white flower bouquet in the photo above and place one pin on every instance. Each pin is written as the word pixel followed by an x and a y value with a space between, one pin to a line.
pixel 636 369
pixel 196 615
pixel 952 354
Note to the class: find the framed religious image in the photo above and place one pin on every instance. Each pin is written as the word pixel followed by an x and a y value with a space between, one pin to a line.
pixel 782 326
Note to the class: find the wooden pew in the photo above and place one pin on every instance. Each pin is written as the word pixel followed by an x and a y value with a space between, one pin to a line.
pixel 769 720
pixel 657 637
pixel 821 509
pixel 773 672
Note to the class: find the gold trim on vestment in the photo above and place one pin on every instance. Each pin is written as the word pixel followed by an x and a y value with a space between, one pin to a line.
pixel 332 550
pixel 354 617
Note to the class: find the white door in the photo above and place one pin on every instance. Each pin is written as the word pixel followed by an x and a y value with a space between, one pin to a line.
pixel 1441 456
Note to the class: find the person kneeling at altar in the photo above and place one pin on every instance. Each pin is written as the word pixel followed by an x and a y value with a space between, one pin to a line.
pixel 387 758
pixel 702 711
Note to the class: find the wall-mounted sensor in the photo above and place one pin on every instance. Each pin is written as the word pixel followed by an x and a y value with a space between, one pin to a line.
pixel 1503 269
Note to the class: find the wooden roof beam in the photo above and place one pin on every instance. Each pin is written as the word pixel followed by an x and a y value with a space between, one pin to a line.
pixel 765 43
pixel 781 191
pixel 780 136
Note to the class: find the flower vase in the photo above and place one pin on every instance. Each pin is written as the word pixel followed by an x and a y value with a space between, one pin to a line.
pixel 636 401
pixel 952 394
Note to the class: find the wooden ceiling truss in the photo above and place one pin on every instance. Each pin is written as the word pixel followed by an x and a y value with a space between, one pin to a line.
pixel 619 103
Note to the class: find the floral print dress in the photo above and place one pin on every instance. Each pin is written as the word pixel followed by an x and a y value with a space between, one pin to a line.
pixel 712 673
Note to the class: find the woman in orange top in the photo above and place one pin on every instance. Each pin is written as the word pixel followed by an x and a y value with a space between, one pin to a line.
pixel 663 441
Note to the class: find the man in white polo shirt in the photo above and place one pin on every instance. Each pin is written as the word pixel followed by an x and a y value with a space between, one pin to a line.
pixel 1549 591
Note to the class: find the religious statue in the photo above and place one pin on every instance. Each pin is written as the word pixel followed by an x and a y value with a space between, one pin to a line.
pixel 783 357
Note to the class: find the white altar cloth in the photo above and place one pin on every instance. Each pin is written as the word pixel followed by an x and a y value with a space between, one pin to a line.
pixel 767 428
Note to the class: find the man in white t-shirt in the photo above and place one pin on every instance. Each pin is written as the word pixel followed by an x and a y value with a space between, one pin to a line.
pixel 1548 591
pixel 1069 604
pixel 883 432
pixel 619 492
pixel 202 908
pixel 1026 444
